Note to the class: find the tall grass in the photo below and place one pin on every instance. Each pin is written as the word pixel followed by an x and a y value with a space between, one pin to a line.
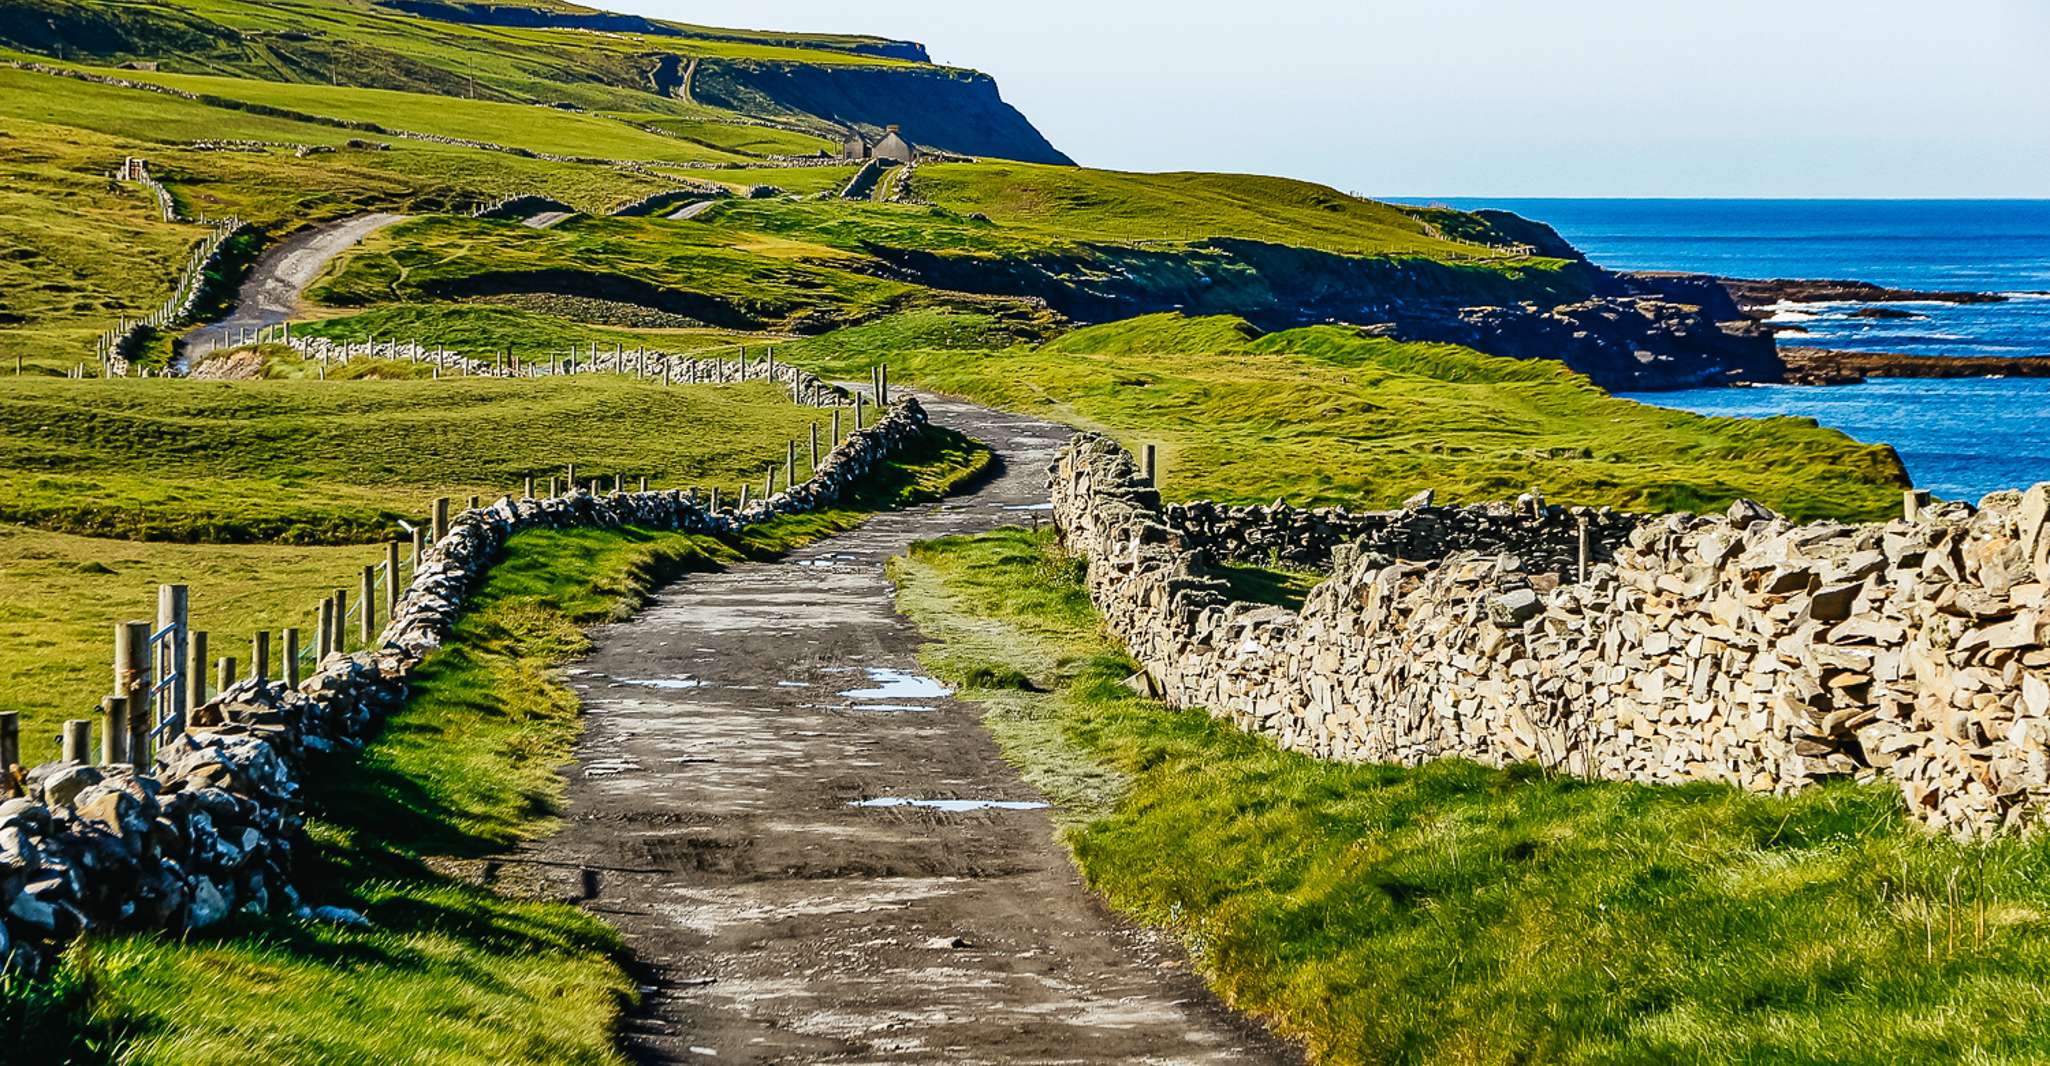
pixel 1457 913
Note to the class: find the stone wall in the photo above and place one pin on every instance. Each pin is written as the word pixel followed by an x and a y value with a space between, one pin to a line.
pixel 214 825
pixel 1740 648
pixel 1545 537
pixel 117 347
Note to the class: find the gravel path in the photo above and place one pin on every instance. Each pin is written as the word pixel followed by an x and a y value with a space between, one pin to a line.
pixel 738 812
pixel 271 292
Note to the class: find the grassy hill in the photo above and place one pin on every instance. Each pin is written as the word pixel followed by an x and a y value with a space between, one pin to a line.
pixel 693 79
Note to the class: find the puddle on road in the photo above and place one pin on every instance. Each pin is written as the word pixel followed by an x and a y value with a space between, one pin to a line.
pixel 892 684
pixel 952 805
pixel 684 681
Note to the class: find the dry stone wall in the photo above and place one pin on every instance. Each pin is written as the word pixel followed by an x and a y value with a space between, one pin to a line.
pixel 1741 648
pixel 1545 538
pixel 212 828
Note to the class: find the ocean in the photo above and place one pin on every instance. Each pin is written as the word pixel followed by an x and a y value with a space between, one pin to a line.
pixel 1959 438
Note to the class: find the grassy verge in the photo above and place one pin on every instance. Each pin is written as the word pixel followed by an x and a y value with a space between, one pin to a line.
pixel 1458 913
pixel 448 971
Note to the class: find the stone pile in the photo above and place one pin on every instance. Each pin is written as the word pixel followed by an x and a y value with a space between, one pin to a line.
pixel 213 828
pixel 1545 537
pixel 1741 648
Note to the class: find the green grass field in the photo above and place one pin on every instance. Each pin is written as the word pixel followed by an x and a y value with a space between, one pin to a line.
pixel 311 462
pixel 1323 416
pixel 264 497
pixel 1176 207
pixel 1456 913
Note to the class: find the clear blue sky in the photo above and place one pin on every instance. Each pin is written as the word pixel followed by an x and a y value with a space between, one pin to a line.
pixel 1505 97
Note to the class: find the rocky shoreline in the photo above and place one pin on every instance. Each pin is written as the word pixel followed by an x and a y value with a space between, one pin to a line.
pixel 1757 299
pixel 1834 366
pixel 1755 294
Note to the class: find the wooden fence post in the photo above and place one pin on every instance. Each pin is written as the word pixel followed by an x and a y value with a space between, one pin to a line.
pixel 78 735
pixel 291 654
pixel 393 589
pixel 226 678
pixel 554 488
pixel 10 748
pixel 133 681
pixel 644 483
pixel 790 466
pixel 836 425
pixel 368 605
pixel 527 493
pixel 419 546
pixel 1151 462
pixel 174 619
pixel 324 634
pixel 437 525
pixel 113 730
pixel 860 401
pixel 341 637
pixel 195 674
pixel 814 445
pixel 1583 549
pixel 259 657
pixel 769 482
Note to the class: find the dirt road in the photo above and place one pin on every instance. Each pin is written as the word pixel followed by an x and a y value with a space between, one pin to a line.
pixel 818 856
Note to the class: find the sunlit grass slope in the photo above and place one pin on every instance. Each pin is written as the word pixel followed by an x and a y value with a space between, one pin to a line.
pixel 1327 416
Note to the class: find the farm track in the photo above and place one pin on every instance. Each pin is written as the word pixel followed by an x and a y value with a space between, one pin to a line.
pixel 272 291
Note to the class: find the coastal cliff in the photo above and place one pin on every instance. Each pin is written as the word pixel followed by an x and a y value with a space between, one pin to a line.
pixel 941 107
pixel 1623 333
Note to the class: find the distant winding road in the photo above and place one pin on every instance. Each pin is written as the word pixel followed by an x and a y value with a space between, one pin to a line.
pixel 271 292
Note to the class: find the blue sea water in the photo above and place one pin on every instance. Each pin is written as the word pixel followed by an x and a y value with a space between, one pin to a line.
pixel 2000 246
pixel 1961 438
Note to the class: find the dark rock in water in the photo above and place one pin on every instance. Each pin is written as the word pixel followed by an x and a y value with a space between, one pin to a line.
pixel 1884 312
pixel 1830 366
pixel 1757 292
